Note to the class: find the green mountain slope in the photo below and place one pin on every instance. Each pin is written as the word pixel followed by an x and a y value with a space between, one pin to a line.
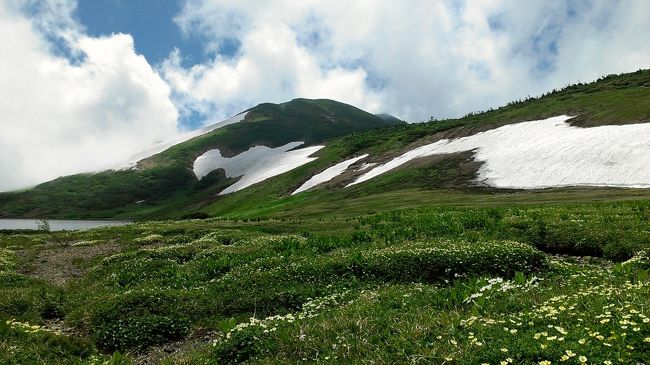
pixel 166 187
pixel 166 180
pixel 615 99
pixel 273 125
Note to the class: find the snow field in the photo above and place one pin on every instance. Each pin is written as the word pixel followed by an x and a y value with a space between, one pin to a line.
pixel 328 174
pixel 548 153
pixel 256 164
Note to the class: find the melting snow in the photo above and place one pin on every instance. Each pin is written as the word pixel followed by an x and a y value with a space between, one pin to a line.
pixel 161 146
pixel 328 174
pixel 366 166
pixel 254 165
pixel 547 153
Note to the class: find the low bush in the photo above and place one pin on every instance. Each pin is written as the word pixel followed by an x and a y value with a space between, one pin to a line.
pixel 641 260
pixel 242 346
pixel 430 263
pixel 196 215
pixel 28 299
pixel 614 232
pixel 138 320
pixel 27 343
pixel 275 284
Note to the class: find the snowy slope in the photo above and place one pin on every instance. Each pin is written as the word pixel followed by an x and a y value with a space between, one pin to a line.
pixel 161 146
pixel 328 174
pixel 254 165
pixel 365 166
pixel 548 153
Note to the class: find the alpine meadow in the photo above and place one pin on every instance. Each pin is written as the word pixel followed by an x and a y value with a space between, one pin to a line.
pixel 274 224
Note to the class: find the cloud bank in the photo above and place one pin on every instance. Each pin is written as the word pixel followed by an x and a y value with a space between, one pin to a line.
pixel 61 117
pixel 73 103
pixel 414 58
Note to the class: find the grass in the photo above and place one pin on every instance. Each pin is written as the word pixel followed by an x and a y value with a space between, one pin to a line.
pixel 440 285
pixel 519 321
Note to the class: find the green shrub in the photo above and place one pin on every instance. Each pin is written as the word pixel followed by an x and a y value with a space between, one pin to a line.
pixel 614 232
pixel 10 279
pixel 40 346
pixel 52 303
pixel 138 320
pixel 27 299
pixel 6 260
pixel 429 263
pixel 196 215
pixel 276 284
pixel 619 251
pixel 72 346
pixel 242 346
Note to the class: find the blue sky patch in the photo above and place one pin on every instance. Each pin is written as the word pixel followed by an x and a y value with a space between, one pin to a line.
pixel 151 23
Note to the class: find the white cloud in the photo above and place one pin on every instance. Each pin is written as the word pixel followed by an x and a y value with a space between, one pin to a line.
pixel 60 118
pixel 411 58
pixel 272 67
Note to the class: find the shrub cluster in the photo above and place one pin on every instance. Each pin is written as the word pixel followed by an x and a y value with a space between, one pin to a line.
pixel 271 284
pixel 613 232
pixel 138 319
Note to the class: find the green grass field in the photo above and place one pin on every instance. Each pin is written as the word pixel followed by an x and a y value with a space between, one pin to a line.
pixel 450 285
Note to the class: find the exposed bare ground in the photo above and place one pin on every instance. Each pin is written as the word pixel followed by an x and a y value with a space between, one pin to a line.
pixel 157 354
pixel 58 264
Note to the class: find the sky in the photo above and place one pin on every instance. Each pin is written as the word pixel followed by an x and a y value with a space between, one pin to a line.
pixel 85 84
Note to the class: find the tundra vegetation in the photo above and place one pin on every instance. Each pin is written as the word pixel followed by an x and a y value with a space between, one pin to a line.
pixel 419 265
pixel 449 285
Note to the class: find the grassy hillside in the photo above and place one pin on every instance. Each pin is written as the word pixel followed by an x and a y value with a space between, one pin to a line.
pixel 615 99
pixel 611 100
pixel 273 125
pixel 169 190
pixel 443 285
pixel 165 180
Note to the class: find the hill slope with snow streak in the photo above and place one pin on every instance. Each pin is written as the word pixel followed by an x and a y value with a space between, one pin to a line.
pixel 162 146
pixel 328 174
pixel 548 153
pixel 254 165
pixel 609 150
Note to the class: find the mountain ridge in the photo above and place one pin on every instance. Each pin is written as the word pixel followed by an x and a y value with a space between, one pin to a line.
pixel 611 100
pixel 166 186
pixel 168 174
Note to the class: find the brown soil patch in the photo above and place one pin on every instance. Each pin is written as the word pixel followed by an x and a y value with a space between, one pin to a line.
pixel 157 354
pixel 58 264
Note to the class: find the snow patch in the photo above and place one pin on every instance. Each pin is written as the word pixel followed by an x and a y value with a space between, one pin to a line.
pixel 328 174
pixel 162 146
pixel 548 153
pixel 256 164
pixel 365 166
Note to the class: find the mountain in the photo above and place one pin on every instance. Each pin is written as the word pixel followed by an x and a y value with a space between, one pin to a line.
pixel 389 118
pixel 308 157
pixel 581 143
pixel 163 175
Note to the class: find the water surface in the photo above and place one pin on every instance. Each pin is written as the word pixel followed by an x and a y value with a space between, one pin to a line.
pixel 58 224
